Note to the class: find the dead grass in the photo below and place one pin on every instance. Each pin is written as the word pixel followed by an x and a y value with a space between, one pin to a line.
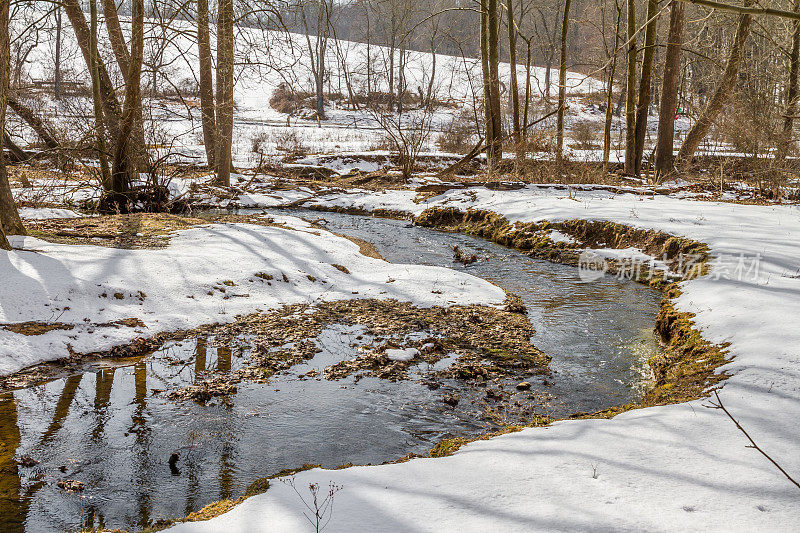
pixel 132 231
pixel 32 329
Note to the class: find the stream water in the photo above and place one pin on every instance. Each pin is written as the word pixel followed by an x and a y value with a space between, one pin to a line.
pixel 111 428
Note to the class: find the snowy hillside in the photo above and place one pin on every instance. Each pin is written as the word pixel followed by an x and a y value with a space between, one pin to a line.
pixel 267 59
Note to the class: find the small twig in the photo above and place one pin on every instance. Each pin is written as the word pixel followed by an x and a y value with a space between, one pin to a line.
pixel 753 444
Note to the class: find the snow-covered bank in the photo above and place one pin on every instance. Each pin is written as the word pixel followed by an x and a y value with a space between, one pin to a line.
pixel 45 213
pixel 679 467
pixel 206 275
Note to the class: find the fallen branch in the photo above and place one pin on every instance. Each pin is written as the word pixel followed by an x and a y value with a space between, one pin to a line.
pixel 753 444
pixel 480 147
pixel 748 10
pixel 37 124
pixel 18 155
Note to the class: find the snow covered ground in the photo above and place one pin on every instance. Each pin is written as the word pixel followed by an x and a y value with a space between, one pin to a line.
pixel 206 275
pixel 44 213
pixel 681 467
pixel 267 59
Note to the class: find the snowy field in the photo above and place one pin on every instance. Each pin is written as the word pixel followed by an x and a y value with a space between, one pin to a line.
pixel 175 123
pixel 673 468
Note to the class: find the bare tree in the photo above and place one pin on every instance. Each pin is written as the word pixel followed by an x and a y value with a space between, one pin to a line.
pixel 562 85
pixel 791 89
pixel 669 89
pixel 10 223
pixel 111 106
pixel 491 82
pixel 408 132
pixel 207 110
pixel 512 53
pixel 125 169
pixel 721 94
pixel 612 67
pixel 630 92
pixel 57 72
pixel 225 59
pixel 99 119
pixel 643 103
pixel 317 47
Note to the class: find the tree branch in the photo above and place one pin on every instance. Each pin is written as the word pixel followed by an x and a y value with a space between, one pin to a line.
pixel 753 444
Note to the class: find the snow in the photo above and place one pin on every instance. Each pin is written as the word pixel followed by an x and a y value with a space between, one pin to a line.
pixel 406 354
pixel 631 255
pixel 43 213
pixel 557 236
pixel 206 275
pixel 265 60
pixel 273 198
pixel 680 467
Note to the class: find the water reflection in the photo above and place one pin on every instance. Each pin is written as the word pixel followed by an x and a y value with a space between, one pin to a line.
pixel 141 428
pixel 13 509
pixel 65 400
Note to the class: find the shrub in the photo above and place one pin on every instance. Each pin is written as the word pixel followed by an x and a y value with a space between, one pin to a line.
pixel 288 101
pixel 585 133
pixel 459 137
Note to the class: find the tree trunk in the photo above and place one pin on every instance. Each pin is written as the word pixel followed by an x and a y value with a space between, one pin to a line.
pixel 791 90
pixel 111 106
pixel 322 41
pixel 562 85
pixel 390 96
pixel 117 40
pixel 401 77
pixel 125 170
pixel 512 47
pixel 429 97
pixel 643 105
pixel 721 94
pixel 116 37
pixel 495 152
pixel 57 73
pixel 4 244
pixel 487 106
pixel 669 89
pixel 610 93
pixel 18 155
pixel 369 53
pixel 206 83
pixel 224 138
pixel 99 122
pixel 10 223
pixel 27 114
pixel 630 93
pixel 525 113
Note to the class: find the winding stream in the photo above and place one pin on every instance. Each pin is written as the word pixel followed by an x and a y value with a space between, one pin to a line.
pixel 110 427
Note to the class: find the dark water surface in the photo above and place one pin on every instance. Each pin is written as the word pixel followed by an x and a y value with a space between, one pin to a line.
pixel 112 429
